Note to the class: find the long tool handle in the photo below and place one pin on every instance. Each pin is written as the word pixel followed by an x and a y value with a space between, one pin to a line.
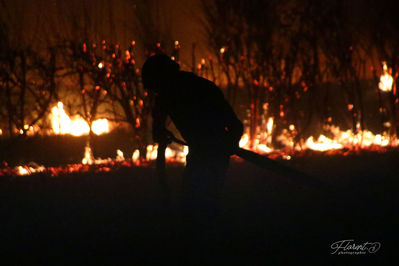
pixel 277 167
pixel 272 165
pixel 161 172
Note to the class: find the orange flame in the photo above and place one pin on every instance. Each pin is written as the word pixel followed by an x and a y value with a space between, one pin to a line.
pixel 22 170
pixel 119 155
pixel 100 126
pixel 63 124
pixel 339 140
pixel 88 158
pixel 136 157
pixel 175 155
pixel 29 169
pixel 386 79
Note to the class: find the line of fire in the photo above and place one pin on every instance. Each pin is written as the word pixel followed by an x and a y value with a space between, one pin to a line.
pixel 299 86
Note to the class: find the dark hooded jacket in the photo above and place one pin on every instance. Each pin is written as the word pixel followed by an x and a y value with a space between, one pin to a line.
pixel 199 111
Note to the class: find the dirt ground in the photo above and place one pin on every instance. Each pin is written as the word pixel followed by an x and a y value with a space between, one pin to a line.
pixel 121 217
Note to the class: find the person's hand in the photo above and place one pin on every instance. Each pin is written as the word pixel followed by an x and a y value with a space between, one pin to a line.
pixel 232 144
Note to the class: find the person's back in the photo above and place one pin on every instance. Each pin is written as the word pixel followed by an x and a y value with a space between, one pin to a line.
pixel 198 109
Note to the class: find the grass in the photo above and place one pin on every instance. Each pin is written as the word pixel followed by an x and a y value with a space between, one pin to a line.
pixel 120 216
pixel 57 150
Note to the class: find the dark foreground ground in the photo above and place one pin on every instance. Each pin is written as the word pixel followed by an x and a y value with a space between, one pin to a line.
pixel 120 217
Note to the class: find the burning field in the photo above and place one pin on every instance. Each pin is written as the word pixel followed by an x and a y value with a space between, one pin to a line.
pixel 61 203
pixel 71 129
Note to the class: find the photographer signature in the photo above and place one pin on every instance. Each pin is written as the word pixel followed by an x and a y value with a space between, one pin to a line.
pixel 349 246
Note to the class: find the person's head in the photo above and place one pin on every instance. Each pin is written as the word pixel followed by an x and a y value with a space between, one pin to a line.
pixel 157 71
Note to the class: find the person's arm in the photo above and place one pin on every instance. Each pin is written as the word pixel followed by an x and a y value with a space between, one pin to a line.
pixel 233 126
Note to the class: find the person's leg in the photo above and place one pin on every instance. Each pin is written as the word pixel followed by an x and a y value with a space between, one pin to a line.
pixel 203 182
pixel 202 186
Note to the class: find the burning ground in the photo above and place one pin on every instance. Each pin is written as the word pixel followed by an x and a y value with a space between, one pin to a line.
pixel 120 215
pixel 68 149
pixel 64 199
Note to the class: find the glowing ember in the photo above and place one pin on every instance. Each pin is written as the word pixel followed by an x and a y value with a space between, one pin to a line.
pixel 386 80
pixel 151 152
pixel 63 124
pixel 29 169
pixel 136 156
pixel 29 130
pixel 286 157
pixel 119 155
pixel 88 158
pixel 22 170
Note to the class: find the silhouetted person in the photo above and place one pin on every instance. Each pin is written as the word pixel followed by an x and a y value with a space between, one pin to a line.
pixel 207 123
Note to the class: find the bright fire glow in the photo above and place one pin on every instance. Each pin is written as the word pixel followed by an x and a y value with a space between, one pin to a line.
pixel 269 126
pixel 88 157
pixel 170 154
pixel 63 124
pixel 136 156
pixel 263 148
pixel 151 152
pixel 100 126
pixel 22 170
pixel 29 169
pixel 339 139
pixel 323 144
pixel 386 79
pixel 119 155
pixel 244 141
